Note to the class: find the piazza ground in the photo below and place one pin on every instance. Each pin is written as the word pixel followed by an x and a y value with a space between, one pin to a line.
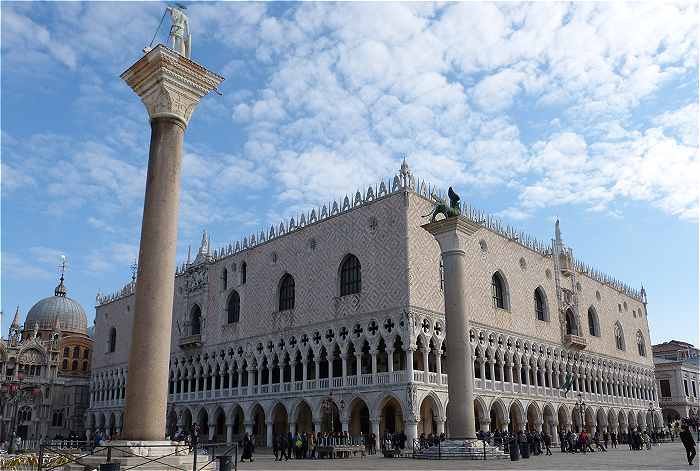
pixel 666 456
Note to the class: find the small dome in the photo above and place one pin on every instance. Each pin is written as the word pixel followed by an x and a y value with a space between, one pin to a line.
pixel 69 313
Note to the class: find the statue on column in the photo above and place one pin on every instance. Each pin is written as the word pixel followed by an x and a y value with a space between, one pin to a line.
pixel 180 31
pixel 441 206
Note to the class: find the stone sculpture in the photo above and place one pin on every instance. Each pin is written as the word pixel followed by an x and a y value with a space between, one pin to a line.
pixel 441 206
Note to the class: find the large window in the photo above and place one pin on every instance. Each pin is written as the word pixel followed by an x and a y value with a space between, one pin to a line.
pixel 244 272
pixel 234 307
pixel 665 387
pixel 286 293
pixel 196 320
pixel 350 275
pixel 541 305
pixel 224 279
pixel 641 347
pixel 593 327
pixel 112 344
pixel 619 337
pixel 498 291
pixel 571 326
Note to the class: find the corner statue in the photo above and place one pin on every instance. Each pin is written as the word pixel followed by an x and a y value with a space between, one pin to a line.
pixel 441 206
pixel 180 32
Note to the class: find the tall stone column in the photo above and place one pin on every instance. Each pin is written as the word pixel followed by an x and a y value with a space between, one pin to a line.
pixel 171 86
pixel 452 235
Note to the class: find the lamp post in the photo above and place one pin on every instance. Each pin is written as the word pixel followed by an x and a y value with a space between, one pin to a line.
pixel 581 407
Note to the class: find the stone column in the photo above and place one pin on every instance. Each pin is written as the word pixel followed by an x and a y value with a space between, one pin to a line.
pixel 411 432
pixel 170 86
pixel 390 360
pixel 438 366
pixel 358 364
pixel 229 433
pixel 374 422
pixel 268 433
pixel 452 235
pixel 373 352
pixel 304 372
pixel 292 373
pixel 344 366
pixel 409 364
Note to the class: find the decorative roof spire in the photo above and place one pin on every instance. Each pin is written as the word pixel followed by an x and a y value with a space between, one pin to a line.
pixel 405 170
pixel 557 231
pixel 61 288
pixel 15 321
pixel 204 247
pixel 643 295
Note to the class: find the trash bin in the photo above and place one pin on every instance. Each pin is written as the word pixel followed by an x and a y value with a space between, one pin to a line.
pixel 109 467
pixel 514 451
pixel 225 463
pixel 525 450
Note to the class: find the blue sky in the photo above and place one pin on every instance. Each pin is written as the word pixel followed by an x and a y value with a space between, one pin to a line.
pixel 585 111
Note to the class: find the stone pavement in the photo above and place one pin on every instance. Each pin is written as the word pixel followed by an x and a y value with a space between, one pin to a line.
pixel 666 456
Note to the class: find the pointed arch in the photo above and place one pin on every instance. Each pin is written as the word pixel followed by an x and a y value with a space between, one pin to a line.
pixel 233 307
pixel 541 307
pixel 350 275
pixel 593 325
pixel 619 336
pixel 196 320
pixel 286 293
pixel 499 291
pixel 571 325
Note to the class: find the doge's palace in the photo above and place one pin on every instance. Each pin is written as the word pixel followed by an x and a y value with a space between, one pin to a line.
pixel 345 303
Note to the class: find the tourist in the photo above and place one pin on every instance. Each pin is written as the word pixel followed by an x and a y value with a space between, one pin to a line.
pixel 312 445
pixel 304 445
pixel 547 443
pixel 276 447
pixel 689 443
pixel 298 446
pixel 613 439
pixel 248 449
pixel 606 438
pixel 373 443
pixel 290 444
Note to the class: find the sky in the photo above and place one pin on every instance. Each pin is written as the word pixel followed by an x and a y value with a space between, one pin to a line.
pixel 583 111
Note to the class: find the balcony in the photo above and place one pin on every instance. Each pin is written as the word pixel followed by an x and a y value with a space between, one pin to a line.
pixel 191 341
pixel 575 341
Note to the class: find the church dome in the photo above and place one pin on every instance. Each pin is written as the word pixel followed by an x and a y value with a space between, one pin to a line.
pixel 69 313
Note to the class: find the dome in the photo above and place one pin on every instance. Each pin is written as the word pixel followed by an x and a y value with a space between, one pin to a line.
pixel 70 313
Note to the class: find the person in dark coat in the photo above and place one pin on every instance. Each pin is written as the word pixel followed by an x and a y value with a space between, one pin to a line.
pixel 689 444
pixel 248 449
pixel 547 443
pixel 290 444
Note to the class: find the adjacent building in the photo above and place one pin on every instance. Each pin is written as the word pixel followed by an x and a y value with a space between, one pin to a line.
pixel 45 370
pixel 335 320
pixel 677 371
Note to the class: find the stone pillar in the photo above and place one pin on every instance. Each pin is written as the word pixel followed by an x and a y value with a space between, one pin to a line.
pixel 329 360
pixel 304 372
pixel 268 433
pixel 170 86
pixel 373 353
pixel 344 425
pixel 390 360
pixel 344 365
pixel 374 422
pixel 412 432
pixel 452 234
pixel 483 425
pixel 317 425
pixel 229 433
pixel 426 363
pixel 317 371
pixel 292 372
pixel 251 377
pixel 409 364
pixel 438 366
pixel 358 363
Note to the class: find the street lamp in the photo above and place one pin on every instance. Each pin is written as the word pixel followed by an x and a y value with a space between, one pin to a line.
pixel 581 407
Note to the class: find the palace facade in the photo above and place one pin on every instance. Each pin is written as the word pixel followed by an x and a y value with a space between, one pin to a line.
pixel 677 370
pixel 335 320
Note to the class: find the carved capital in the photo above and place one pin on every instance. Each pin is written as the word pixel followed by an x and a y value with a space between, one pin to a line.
pixel 169 84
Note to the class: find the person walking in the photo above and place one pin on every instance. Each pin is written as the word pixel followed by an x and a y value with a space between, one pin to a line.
pixel 613 439
pixel 247 449
pixel 689 444
pixel 547 444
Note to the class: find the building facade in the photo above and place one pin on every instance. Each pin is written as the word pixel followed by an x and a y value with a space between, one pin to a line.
pixel 335 320
pixel 45 371
pixel 677 371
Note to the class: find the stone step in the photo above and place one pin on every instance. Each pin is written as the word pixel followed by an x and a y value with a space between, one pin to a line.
pixel 459 449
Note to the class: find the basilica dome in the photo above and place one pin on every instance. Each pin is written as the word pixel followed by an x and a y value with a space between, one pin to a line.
pixel 69 313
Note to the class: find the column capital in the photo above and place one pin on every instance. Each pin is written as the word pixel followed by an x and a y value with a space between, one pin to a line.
pixel 452 233
pixel 169 84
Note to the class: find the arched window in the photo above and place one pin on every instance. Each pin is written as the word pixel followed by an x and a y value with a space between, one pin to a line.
pixel 86 353
pixel 286 293
pixel 499 292
pixel 196 320
pixel 76 352
pixel 74 365
pixel 593 327
pixel 350 276
pixel 112 343
pixel 571 326
pixel 641 347
pixel 619 337
pixel 65 364
pixel 224 279
pixel 541 305
pixel 244 274
pixel 233 307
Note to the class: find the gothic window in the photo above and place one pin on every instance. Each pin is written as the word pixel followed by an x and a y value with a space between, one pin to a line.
pixel 286 298
pixel 196 320
pixel 234 307
pixel 224 279
pixel 76 352
pixel 541 305
pixel 74 365
pixel 66 352
pixel 499 292
pixel 619 337
pixel 593 327
pixel 244 274
pixel 112 345
pixel 65 364
pixel 641 347
pixel 571 327
pixel 86 353
pixel 350 275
